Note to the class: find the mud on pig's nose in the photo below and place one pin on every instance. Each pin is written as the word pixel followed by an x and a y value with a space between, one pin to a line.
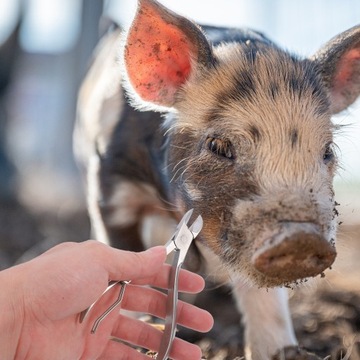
pixel 296 251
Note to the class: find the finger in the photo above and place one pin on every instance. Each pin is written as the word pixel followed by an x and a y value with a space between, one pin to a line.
pixel 189 282
pixel 146 336
pixel 150 301
pixel 145 267
pixel 125 265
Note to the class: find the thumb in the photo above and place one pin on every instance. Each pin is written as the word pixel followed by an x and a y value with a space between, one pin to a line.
pixel 130 265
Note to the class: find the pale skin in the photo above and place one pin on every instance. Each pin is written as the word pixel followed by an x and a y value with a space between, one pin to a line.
pixel 40 303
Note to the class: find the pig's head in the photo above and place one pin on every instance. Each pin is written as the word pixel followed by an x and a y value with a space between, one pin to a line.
pixel 250 139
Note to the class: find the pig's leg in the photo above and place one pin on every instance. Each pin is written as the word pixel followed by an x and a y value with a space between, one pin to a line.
pixel 266 316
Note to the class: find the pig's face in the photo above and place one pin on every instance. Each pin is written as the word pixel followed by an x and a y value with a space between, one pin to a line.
pixel 251 151
pixel 250 144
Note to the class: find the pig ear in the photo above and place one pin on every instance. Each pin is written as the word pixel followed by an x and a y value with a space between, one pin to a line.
pixel 339 62
pixel 161 52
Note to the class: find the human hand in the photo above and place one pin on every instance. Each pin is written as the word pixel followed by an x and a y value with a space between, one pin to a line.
pixel 47 294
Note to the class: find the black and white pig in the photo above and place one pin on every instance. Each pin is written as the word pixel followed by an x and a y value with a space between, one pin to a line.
pixel 246 141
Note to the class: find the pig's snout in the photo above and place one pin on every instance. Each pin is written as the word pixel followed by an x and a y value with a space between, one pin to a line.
pixel 297 251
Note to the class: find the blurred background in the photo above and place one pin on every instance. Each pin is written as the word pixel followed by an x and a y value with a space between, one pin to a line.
pixel 45 50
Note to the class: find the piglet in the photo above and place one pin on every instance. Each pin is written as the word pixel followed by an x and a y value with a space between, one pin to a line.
pixel 246 141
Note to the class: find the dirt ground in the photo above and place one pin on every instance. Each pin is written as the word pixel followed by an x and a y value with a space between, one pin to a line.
pixel 326 312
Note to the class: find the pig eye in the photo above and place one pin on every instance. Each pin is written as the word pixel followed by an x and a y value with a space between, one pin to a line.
pixel 328 154
pixel 220 147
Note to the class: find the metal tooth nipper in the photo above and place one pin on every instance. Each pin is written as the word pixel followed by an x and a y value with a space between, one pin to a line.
pixel 179 243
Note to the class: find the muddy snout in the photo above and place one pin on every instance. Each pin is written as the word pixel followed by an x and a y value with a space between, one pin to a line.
pixel 295 252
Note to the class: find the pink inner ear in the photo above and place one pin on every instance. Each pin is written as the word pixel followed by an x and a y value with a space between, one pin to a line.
pixel 348 70
pixel 157 57
pixel 345 84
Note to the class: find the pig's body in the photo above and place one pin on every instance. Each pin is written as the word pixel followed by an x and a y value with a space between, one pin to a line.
pixel 247 143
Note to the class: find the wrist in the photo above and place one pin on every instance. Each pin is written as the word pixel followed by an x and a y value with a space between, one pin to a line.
pixel 12 311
